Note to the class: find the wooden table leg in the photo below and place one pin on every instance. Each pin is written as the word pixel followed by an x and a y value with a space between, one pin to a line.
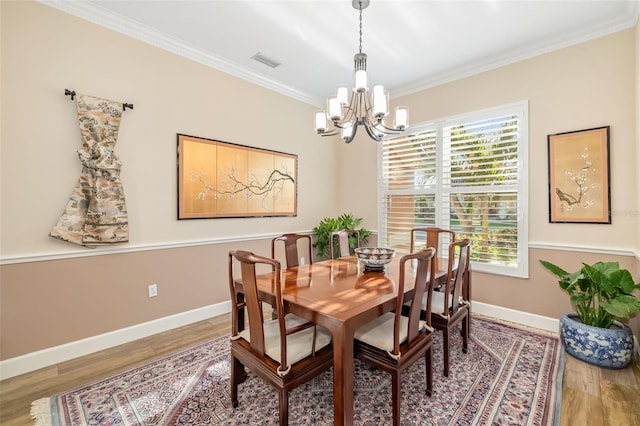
pixel 342 376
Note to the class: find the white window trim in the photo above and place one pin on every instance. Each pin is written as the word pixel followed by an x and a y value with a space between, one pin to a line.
pixel 521 270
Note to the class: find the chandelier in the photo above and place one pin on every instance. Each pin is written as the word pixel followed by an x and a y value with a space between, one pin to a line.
pixel 364 107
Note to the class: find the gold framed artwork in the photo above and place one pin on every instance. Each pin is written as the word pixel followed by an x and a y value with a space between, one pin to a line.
pixel 222 180
pixel 579 189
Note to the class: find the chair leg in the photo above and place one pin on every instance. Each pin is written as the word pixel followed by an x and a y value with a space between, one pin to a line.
pixel 445 344
pixel 465 333
pixel 284 407
pixel 428 362
pixel 395 396
pixel 237 370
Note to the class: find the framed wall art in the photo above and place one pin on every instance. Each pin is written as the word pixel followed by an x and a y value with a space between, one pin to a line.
pixel 579 176
pixel 221 180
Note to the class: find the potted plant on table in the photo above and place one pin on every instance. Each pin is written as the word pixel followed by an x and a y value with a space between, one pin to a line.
pixel 329 224
pixel 601 294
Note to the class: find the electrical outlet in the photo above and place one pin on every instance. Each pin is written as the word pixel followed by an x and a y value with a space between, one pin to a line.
pixel 153 290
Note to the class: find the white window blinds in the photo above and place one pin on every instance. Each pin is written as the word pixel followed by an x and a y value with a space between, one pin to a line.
pixel 467 174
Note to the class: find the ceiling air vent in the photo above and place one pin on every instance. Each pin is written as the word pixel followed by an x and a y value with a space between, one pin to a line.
pixel 265 60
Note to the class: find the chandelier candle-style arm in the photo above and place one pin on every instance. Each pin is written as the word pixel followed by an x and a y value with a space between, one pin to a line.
pixel 364 107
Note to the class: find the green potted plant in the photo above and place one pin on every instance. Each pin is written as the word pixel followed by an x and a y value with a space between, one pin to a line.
pixel 328 225
pixel 602 294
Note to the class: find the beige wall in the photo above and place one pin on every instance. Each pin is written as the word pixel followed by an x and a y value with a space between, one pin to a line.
pixel 49 303
pixel 45 51
pixel 584 86
pixel 46 303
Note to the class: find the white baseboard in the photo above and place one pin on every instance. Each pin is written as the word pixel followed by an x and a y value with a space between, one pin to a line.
pixel 519 317
pixel 46 357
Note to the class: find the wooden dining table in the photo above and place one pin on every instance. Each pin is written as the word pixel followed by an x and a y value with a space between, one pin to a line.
pixel 341 296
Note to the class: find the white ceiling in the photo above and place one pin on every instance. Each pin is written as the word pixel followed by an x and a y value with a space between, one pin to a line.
pixel 411 44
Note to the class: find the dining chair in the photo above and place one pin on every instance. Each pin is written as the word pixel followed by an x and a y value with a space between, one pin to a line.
pixel 452 306
pixel 286 351
pixel 290 242
pixel 434 237
pixel 395 340
pixel 343 241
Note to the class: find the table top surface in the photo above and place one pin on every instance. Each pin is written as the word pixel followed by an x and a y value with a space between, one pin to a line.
pixel 340 288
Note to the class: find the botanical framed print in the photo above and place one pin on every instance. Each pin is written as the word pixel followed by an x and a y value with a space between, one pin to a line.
pixel 579 189
pixel 221 180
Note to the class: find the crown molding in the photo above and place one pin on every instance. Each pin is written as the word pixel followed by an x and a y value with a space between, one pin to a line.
pixel 105 18
pixel 516 55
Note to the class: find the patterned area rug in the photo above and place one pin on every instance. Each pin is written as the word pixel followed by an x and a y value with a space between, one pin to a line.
pixel 508 377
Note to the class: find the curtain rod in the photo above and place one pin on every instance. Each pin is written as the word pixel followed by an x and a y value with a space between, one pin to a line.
pixel 72 93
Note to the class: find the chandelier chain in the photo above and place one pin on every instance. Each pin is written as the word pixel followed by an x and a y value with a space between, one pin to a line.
pixel 360 26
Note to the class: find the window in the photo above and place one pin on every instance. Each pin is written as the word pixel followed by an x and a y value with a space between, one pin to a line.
pixel 466 173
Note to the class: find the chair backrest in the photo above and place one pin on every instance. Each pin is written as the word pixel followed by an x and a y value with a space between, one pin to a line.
pixel 343 241
pixel 424 278
pixel 438 238
pixel 290 241
pixel 457 282
pixel 435 237
pixel 252 302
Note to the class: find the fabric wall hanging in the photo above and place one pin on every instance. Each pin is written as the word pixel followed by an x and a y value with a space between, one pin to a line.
pixel 96 213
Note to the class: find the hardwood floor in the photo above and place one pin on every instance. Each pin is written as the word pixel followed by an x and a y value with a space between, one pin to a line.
pixel 590 395
pixel 599 396
pixel 17 393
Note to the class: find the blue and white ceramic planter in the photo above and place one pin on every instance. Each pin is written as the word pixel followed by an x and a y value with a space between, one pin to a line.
pixel 604 347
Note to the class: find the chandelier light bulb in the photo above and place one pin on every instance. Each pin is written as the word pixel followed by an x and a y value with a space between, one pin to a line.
pixel 321 121
pixel 402 118
pixel 380 98
pixel 347 132
pixel 343 95
pixel 335 109
pixel 361 80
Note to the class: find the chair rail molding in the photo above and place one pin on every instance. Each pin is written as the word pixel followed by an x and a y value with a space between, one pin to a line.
pixel 614 251
pixel 38 257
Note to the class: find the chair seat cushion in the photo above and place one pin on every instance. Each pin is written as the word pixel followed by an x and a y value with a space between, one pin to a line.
pixel 379 332
pixel 438 303
pixel 299 345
